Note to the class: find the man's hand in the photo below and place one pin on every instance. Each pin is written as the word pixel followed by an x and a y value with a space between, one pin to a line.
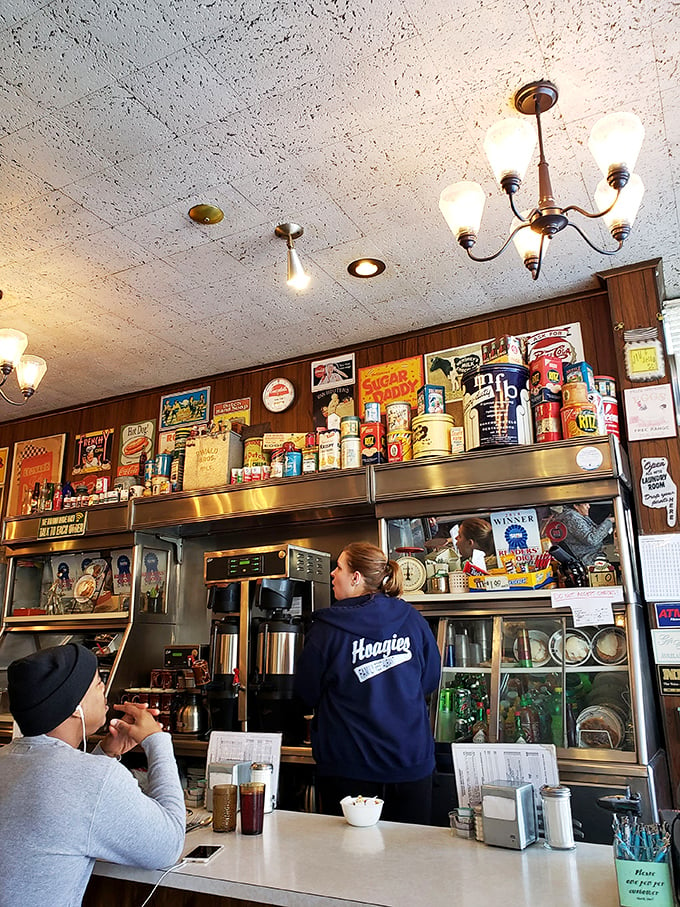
pixel 135 724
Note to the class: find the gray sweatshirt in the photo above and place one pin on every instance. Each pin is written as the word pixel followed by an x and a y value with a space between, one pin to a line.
pixel 62 809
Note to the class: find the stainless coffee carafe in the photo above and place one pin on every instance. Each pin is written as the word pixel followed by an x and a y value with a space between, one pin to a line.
pixel 278 645
pixel 223 647
pixel 191 716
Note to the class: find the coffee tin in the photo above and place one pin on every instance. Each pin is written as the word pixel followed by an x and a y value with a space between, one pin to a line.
pixel 547 422
pixel 432 435
pixel 496 410
pixel 398 416
pixel 253 453
pixel 399 446
pixel 371 412
pixel 350 452
pixel 579 421
pixel 329 449
pixel 349 427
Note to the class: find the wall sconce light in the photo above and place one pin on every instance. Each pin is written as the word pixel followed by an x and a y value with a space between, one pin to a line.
pixel 30 370
pixel 296 278
pixel 614 142
pixel 366 267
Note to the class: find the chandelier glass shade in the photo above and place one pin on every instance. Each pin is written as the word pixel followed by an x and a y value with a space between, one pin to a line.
pixel 30 370
pixel 615 143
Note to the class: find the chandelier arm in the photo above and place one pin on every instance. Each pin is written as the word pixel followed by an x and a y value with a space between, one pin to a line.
pixel 534 274
pixel 496 254
pixel 7 399
pixel 592 245
pixel 524 220
pixel 595 213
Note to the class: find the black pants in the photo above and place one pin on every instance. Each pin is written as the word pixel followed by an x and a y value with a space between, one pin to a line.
pixel 406 801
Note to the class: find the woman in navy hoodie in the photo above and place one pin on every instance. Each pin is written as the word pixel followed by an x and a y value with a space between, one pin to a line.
pixel 368 664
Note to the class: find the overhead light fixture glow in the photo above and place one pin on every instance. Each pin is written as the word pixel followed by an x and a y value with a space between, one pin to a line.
pixel 296 276
pixel 30 370
pixel 366 267
pixel 615 143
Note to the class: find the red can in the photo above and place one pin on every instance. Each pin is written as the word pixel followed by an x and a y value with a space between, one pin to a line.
pixel 547 422
pixel 545 379
pixel 611 415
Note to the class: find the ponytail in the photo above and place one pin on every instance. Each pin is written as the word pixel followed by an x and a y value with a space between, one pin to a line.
pixel 379 574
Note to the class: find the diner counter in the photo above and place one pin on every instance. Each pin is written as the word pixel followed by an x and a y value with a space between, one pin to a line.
pixel 304 859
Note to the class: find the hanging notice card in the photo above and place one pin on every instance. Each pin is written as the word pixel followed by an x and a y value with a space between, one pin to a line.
pixel 650 412
pixel 480 763
pixel 666 645
pixel 657 489
pixel 589 607
pixel 660 560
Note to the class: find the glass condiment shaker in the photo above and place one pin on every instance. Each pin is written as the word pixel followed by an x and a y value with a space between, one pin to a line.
pixel 559 831
pixel 263 771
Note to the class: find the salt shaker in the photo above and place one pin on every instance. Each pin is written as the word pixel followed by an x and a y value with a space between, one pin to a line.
pixel 262 771
pixel 559 831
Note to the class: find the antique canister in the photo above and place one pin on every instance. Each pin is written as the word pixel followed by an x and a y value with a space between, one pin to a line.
pixel 149 470
pixel 371 412
pixel 432 435
pixel 372 443
pixel 350 452
pixel 545 380
pixel 496 410
pixel 292 460
pixel 457 439
pixel 547 422
pixel 310 459
pixel 398 416
pixel 399 446
pixel 503 349
pixel 349 427
pixel 579 421
pixel 611 415
pixel 163 462
pixel 430 399
pixel 329 449
pixel 276 464
pixel 605 385
pixel 596 400
pixel 253 453
pixel 574 392
pixel 579 371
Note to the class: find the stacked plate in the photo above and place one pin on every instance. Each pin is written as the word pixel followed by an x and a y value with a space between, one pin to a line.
pixel 571 648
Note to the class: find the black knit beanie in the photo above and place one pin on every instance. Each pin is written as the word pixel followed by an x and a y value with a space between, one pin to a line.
pixel 44 688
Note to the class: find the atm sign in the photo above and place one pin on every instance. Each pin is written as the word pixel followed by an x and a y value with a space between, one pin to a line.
pixel 667 615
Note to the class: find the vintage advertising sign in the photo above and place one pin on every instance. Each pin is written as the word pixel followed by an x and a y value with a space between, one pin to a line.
pixel 327 401
pixel 564 342
pixel 135 438
pixel 335 372
pixel 669 680
pixel 657 488
pixel 185 409
pixel 93 451
pixel 666 645
pixel 447 367
pixel 391 381
pixel 62 525
pixel 38 460
pixel 231 411
pixel 650 412
pixel 4 459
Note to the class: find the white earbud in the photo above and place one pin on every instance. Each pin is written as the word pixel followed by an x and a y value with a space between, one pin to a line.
pixel 79 710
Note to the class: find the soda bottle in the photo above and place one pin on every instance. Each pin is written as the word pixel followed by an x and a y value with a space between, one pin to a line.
pixel 142 464
pixel 35 498
pixel 445 718
pixel 556 721
pixel 449 648
pixel 528 721
pixel 58 497
pixel 524 649
pixel 480 729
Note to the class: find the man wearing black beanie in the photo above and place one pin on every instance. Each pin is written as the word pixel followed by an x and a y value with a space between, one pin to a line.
pixel 68 808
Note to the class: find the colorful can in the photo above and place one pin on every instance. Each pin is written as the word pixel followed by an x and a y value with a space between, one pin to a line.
pixel 350 452
pixel 163 463
pixel 596 400
pixel 276 464
pixel 605 385
pixel 545 379
pixel 432 435
pixel 574 392
pixel 372 412
pixel 372 443
pixel 431 399
pixel 399 446
pixel 292 462
pixel 349 427
pixel 253 454
pixel 503 349
pixel 496 410
pixel 579 421
pixel 310 459
pixel 149 470
pixel 398 416
pixel 579 371
pixel 547 422
pixel 611 415
pixel 329 449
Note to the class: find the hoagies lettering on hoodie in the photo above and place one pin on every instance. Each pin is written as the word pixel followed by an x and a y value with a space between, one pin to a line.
pixel 362 650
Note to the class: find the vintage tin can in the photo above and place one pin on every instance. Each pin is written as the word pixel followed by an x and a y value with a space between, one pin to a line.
pixel 372 443
pixel 503 349
pixel 579 421
pixel 329 449
pixel 163 462
pixel 432 435
pixel 149 470
pixel 496 410
pixel 398 416
pixel 399 446
pixel 349 427
pixel 545 380
pixel 292 461
pixel 611 415
pixel 310 459
pixel 276 464
pixel 605 385
pixel 574 392
pixel 371 412
pixel 253 454
pixel 350 452
pixel 579 371
pixel 547 422
pixel 596 400
pixel 430 399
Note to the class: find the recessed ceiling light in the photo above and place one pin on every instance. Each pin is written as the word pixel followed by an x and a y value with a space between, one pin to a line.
pixel 206 214
pixel 366 267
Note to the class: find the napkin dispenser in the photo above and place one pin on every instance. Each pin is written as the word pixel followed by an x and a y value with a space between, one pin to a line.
pixel 509 814
pixel 227 772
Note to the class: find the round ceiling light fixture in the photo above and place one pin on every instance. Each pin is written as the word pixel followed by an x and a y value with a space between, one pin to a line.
pixel 366 267
pixel 206 214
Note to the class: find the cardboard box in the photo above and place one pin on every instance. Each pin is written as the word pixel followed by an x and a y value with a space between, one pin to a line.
pixel 503 349
pixel 512 582
pixel 208 461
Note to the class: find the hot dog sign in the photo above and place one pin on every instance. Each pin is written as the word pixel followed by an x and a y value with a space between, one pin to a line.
pixel 135 439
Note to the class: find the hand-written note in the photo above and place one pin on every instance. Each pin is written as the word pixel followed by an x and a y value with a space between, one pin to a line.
pixel 657 488
pixel 589 607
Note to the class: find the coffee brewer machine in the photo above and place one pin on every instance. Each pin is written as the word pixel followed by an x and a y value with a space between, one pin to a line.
pixel 261 599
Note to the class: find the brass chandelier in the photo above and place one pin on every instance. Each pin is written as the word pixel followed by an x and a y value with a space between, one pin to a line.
pixel 614 142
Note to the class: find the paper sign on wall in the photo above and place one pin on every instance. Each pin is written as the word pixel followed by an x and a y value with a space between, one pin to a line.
pixel 589 607
pixel 650 412
pixel 666 645
pixel 660 562
pixel 657 488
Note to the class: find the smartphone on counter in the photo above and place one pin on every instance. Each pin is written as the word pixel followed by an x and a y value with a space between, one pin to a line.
pixel 203 853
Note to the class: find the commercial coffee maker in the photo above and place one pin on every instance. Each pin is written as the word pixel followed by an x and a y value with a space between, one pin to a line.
pixel 262 600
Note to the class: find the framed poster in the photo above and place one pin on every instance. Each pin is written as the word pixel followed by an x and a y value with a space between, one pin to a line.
pixel 391 381
pixel 93 451
pixel 4 460
pixel 37 460
pixel 335 372
pixel 135 438
pixel 185 409
pixel 447 367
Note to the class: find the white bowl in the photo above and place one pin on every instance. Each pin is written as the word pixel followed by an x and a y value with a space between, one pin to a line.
pixel 361 811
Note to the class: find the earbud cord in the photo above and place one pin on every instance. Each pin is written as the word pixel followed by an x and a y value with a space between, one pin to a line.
pixel 79 709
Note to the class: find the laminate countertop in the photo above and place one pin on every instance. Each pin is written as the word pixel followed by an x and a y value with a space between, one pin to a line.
pixel 304 859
